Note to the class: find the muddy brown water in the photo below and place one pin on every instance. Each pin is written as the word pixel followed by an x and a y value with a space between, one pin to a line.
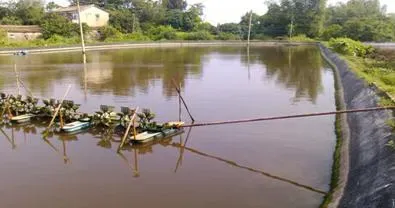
pixel 267 164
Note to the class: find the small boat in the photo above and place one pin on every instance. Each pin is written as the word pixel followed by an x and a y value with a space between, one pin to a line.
pixel 76 125
pixel 147 137
pixel 20 53
pixel 22 118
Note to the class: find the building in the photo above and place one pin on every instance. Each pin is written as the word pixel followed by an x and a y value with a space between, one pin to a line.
pixel 21 32
pixel 90 14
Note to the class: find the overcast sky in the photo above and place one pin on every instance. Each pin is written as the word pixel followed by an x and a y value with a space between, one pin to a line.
pixel 222 11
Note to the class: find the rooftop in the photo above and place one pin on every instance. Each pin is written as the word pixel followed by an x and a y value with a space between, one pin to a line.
pixel 72 8
pixel 20 28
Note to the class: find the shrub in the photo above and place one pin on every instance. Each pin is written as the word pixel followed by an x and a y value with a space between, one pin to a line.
pixel 136 37
pixel 227 36
pixel 162 33
pixel 109 32
pixel 54 24
pixel 200 35
pixel 333 31
pixel 350 47
pixel 302 38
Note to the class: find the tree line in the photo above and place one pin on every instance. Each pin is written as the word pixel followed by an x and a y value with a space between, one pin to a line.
pixel 364 20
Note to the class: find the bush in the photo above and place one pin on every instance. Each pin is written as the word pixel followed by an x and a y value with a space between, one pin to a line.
pixel 227 36
pixel 201 35
pixel 350 47
pixel 162 33
pixel 109 32
pixel 181 35
pixel 136 37
pixel 333 31
pixel 302 38
pixel 54 24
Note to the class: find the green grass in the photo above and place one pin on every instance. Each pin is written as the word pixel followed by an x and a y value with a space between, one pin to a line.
pixel 377 72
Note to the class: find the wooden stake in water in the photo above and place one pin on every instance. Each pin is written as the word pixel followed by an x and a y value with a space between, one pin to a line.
pixel 17 79
pixel 249 29
pixel 179 105
pixel 81 30
pixel 56 112
pixel 128 129
pixel 182 99
pixel 85 76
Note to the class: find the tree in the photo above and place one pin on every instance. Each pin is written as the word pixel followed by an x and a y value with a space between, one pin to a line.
pixel 54 24
pixel 363 20
pixel 232 28
pixel 175 4
pixel 276 20
pixel 175 18
pixel 124 20
pixel 31 13
pixel 11 20
pixel 51 5
pixel 255 25
pixel 148 11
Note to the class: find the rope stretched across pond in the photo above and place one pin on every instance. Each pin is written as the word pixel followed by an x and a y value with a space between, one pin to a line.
pixel 289 116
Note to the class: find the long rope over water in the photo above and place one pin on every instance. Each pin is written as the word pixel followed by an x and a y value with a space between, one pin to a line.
pixel 290 116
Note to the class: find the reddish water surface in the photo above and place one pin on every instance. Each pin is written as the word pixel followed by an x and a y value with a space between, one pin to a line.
pixel 268 164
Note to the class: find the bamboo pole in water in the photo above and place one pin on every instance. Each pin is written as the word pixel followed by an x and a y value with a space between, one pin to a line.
pixel 24 86
pixel 8 138
pixel 56 111
pixel 127 130
pixel 17 79
pixel 182 99
pixel 249 30
pixel 81 30
pixel 179 105
pixel 290 116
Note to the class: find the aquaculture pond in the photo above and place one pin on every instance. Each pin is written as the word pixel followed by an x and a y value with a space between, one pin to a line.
pixel 283 163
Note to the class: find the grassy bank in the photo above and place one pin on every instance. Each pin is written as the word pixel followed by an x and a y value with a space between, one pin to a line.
pixel 378 69
pixel 59 41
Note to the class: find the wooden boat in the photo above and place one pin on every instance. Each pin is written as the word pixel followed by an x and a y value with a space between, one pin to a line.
pixel 76 125
pixel 147 136
pixel 22 118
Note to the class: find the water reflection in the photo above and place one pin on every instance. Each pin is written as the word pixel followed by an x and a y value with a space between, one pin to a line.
pixel 297 68
pixel 125 72
pixel 140 150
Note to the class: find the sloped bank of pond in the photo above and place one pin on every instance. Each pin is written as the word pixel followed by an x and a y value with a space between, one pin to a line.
pixel 366 170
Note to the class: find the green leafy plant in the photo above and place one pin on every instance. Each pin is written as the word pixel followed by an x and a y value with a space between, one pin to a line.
pixel 69 111
pixel 391 144
pixel 104 117
pixel 348 46
pixel 145 119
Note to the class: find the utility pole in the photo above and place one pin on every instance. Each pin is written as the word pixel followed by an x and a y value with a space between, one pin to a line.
pixel 291 29
pixel 249 29
pixel 81 31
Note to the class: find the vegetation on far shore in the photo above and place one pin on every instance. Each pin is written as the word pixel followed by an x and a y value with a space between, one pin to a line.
pixel 148 20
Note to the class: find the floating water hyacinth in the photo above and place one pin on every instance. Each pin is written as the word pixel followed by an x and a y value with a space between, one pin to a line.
pixel 126 115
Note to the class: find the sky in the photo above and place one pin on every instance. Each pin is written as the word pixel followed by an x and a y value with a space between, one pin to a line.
pixel 223 11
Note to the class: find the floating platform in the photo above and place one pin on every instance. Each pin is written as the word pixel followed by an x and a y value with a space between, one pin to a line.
pixel 76 126
pixel 22 118
pixel 147 136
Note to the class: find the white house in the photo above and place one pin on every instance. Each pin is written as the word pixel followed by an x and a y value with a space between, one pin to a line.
pixel 90 14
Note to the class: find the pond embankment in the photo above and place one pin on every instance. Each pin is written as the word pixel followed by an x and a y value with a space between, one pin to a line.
pixel 367 172
pixel 157 44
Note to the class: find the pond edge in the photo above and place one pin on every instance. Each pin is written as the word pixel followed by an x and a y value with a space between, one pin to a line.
pixel 157 44
pixel 364 174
